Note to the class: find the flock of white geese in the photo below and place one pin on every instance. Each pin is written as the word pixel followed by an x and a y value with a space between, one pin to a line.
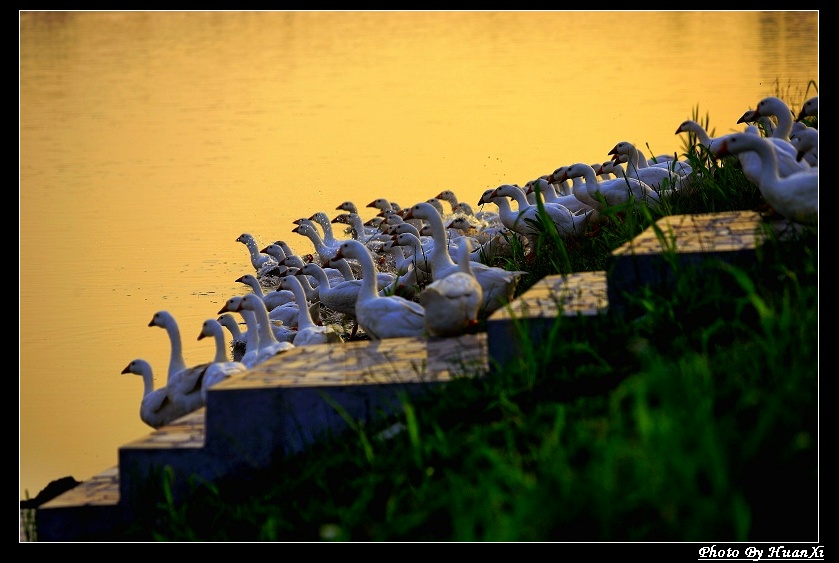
pixel 423 270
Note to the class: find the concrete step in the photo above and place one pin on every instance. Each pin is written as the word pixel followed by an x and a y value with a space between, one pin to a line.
pixel 676 242
pixel 275 408
pixel 514 330
pixel 293 400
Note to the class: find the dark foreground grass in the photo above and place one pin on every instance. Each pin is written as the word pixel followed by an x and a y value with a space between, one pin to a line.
pixel 693 416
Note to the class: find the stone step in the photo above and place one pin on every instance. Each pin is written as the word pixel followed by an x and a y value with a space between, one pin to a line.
pixel 514 330
pixel 676 242
pixel 291 401
pixel 277 407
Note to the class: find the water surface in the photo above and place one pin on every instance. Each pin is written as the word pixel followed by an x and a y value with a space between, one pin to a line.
pixel 150 140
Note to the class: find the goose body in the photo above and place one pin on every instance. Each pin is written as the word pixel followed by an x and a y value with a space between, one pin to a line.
pixel 785 152
pixel 806 141
pixel 657 177
pixel 549 195
pixel 308 332
pixel 450 197
pixel 325 223
pixel 290 258
pixel 238 338
pixel 524 220
pixel 795 196
pixel 381 317
pixel 183 383
pixel 765 126
pixel 693 127
pixel 810 108
pixel 357 229
pixel 156 409
pixel 774 106
pixel 498 284
pixel 251 355
pixel 437 204
pixel 307 228
pixel 614 192
pixel 272 299
pixel 452 303
pixel 258 259
pixel 339 297
pixel 269 346
pixel 221 367
pixel 383 204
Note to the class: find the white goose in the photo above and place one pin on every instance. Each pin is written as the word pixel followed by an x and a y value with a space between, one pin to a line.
pixel 468 228
pixel 567 186
pixel 287 314
pixel 452 303
pixel 450 197
pixel 488 218
pixel 383 204
pixel 806 141
pixel 221 367
pixel 657 177
pixel 763 123
pixel 348 272
pixel 156 409
pixel 347 206
pixel 785 151
pixel 549 195
pixel 258 259
pixel 269 346
pixel 395 256
pixel 612 167
pixel 183 383
pixel 307 228
pixel 561 188
pixel 325 223
pixel 809 109
pixel 795 196
pixel 507 216
pixel 525 219
pixel 345 271
pixel 406 227
pixel 308 332
pixel 273 298
pixel 381 317
pixel 614 192
pixel 408 282
pixel 291 258
pixel 373 225
pixel 251 349
pixel 339 297
pixel 437 204
pixel 696 129
pixel 774 106
pixel 418 256
pixel 238 338
pixel 498 284
pixel 356 227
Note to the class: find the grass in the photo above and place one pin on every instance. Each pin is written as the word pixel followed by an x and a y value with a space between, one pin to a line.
pixel 691 417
